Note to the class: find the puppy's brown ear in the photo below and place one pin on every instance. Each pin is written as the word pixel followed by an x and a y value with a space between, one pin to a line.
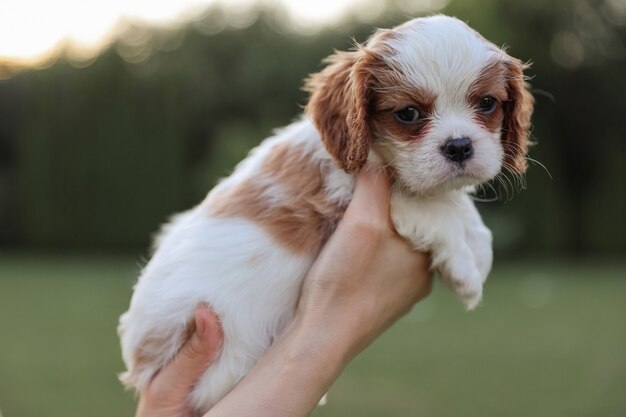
pixel 517 112
pixel 338 107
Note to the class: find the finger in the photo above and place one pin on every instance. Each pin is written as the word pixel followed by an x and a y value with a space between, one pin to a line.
pixel 370 200
pixel 195 356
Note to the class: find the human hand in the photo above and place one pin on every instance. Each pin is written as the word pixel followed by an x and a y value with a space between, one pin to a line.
pixel 364 279
pixel 166 395
pixel 367 276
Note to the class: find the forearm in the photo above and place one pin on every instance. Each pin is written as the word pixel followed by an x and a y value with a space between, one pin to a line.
pixel 291 378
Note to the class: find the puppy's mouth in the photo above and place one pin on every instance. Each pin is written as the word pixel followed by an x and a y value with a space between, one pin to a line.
pixel 469 173
pixel 455 179
pixel 460 178
pixel 463 171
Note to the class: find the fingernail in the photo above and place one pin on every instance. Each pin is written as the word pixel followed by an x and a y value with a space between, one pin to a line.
pixel 200 325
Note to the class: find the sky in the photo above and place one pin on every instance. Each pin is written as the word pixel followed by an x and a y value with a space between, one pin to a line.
pixel 30 29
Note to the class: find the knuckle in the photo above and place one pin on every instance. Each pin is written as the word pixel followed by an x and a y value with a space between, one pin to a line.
pixel 194 350
pixel 369 227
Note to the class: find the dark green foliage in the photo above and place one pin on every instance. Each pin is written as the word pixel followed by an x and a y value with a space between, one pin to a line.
pixel 98 157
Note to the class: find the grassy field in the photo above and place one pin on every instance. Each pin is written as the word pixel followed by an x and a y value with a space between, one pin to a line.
pixel 550 340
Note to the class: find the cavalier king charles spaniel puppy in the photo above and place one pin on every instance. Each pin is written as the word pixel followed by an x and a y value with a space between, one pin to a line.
pixel 440 107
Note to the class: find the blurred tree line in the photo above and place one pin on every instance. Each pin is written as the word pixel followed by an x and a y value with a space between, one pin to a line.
pixel 96 153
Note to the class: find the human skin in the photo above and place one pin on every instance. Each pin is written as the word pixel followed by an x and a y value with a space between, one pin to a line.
pixel 364 280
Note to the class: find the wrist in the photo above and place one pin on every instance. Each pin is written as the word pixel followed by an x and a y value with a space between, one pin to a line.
pixel 301 365
pixel 320 339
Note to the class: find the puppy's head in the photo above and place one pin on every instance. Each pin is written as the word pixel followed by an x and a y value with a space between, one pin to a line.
pixel 440 105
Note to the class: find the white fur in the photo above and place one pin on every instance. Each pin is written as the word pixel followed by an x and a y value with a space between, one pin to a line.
pixel 449 226
pixel 253 284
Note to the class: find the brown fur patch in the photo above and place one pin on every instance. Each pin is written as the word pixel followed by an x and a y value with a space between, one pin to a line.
pixel 492 82
pixel 398 95
pixel 332 100
pixel 341 96
pixel 302 219
pixel 388 101
pixel 517 112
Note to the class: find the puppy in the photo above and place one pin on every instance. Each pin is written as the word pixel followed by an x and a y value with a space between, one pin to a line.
pixel 431 100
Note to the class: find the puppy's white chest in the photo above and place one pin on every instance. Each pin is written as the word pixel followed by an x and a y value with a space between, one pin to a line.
pixel 450 228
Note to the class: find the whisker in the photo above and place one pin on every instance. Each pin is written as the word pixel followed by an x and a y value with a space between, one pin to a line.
pixel 481 187
pixel 507 182
pixel 535 162
pixel 544 93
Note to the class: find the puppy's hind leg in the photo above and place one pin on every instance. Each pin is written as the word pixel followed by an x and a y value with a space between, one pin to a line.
pixel 146 351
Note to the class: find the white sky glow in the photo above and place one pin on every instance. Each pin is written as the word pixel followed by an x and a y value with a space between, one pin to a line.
pixel 30 29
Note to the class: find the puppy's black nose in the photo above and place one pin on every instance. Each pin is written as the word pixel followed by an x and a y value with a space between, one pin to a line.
pixel 458 149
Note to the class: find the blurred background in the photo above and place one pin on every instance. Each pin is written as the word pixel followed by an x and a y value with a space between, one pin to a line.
pixel 114 115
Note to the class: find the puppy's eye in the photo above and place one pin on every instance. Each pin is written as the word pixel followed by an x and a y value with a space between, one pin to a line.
pixel 407 115
pixel 487 105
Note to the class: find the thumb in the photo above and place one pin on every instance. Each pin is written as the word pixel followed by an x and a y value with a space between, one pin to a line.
pixel 370 201
pixel 195 356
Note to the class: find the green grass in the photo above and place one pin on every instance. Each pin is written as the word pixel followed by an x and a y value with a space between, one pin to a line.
pixel 550 340
pixel 59 353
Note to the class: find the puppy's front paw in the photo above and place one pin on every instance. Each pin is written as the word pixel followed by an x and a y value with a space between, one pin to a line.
pixel 464 278
pixel 479 240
